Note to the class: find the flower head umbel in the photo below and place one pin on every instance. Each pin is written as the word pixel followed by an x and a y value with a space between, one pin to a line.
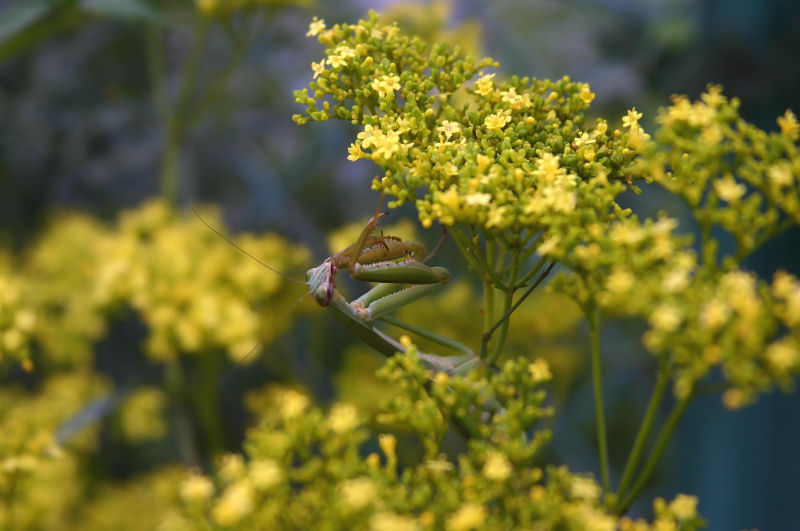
pixel 476 163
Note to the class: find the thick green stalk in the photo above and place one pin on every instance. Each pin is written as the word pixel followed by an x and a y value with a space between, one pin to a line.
pixel 644 430
pixel 175 385
pixel 658 450
pixel 593 316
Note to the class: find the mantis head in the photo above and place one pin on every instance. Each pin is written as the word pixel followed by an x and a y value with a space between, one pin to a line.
pixel 322 282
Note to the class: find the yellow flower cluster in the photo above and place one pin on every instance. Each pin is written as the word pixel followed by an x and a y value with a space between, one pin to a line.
pixel 17 321
pixel 306 471
pixel 60 271
pixel 700 317
pixel 142 415
pixel 40 449
pixel 194 290
pixel 514 154
pixel 730 173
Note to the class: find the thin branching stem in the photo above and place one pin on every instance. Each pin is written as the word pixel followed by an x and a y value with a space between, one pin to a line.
pixel 664 436
pixel 529 275
pixel 177 118
pixel 487 336
pixel 508 300
pixel 646 427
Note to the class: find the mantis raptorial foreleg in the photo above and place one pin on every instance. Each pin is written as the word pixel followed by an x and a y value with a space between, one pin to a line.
pixel 403 277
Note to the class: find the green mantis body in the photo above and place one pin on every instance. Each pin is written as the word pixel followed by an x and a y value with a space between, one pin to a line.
pixel 403 276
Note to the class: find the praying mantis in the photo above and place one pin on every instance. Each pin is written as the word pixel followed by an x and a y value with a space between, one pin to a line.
pixel 403 276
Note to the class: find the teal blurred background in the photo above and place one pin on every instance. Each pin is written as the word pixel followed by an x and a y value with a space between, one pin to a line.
pixel 89 92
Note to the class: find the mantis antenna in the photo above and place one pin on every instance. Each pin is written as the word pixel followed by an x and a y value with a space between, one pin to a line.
pixel 260 343
pixel 218 233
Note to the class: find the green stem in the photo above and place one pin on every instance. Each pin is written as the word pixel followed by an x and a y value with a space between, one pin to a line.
pixel 207 404
pixel 175 385
pixel 774 231
pixel 509 299
pixel 644 430
pixel 239 42
pixel 593 316
pixel 156 69
pixel 170 164
pixel 529 275
pixel 658 450
pixel 488 295
pixel 473 255
pixel 487 336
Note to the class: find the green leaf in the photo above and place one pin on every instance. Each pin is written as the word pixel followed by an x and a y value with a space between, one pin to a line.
pixel 15 18
pixel 130 9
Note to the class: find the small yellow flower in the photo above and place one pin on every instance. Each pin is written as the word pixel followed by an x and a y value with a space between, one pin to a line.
pixel 336 61
pixel 236 503
pixel 232 467
pixel 584 488
pixel 451 199
pixel 713 96
pixel 620 281
pixel 388 444
pixel 586 95
pixel 511 97
pixel 497 467
pixel 469 516
pixel 357 493
pixel 780 174
pixel 373 460
pixel 789 126
pixel 684 507
pixel 733 398
pixel 478 199
pixel 484 85
pixel 439 465
pixel 265 474
pixel 196 488
pixel 386 85
pixel 497 121
pixel 316 26
pixel 385 145
pixel 367 136
pixel 666 317
pixel 496 216
pixel 392 522
pixel 207 6
pixel 318 68
pixel 783 354
pixel 292 404
pixel 715 314
pixel 343 418
pixel 632 119
pixel 540 370
pixel 728 189
pixel 355 152
pixel 449 129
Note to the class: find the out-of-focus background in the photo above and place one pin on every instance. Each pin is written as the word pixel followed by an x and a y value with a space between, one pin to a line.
pixel 106 104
